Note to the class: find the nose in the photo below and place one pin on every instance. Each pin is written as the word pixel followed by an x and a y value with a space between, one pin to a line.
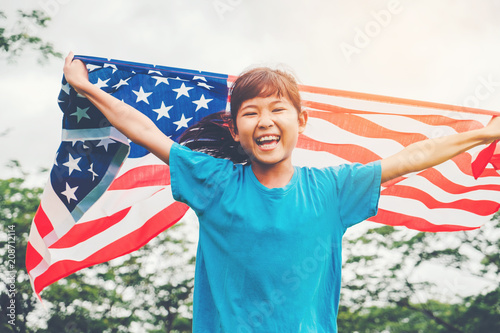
pixel 265 121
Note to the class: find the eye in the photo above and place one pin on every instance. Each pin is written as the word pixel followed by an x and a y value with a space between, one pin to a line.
pixel 278 110
pixel 248 114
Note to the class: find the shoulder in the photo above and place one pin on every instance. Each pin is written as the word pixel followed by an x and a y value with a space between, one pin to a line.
pixel 341 170
pixel 184 155
pixel 351 175
pixel 186 163
pixel 197 178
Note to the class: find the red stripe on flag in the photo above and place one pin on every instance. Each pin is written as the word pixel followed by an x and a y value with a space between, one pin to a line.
pixel 83 231
pixel 482 159
pixel 464 163
pixel 413 222
pixel 435 177
pixel 352 153
pixel 33 258
pixel 42 222
pixel 142 176
pixel 129 243
pixel 478 207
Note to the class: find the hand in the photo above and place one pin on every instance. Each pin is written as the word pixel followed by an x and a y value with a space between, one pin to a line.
pixel 492 130
pixel 75 72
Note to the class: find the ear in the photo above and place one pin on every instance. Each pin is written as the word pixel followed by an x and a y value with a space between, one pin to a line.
pixel 303 116
pixel 233 130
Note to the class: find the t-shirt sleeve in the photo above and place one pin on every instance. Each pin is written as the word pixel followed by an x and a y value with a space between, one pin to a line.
pixel 358 191
pixel 197 178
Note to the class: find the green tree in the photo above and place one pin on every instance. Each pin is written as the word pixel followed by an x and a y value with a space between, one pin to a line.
pixel 17 207
pixel 149 290
pixel 384 288
pixel 24 33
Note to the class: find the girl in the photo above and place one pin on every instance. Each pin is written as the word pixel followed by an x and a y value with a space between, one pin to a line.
pixel 269 252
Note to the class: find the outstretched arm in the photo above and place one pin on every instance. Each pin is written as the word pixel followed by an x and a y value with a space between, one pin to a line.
pixel 428 153
pixel 131 122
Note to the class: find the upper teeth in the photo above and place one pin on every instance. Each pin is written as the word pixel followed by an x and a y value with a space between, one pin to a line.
pixel 268 138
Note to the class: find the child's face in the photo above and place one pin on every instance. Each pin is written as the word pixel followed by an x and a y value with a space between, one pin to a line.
pixel 268 129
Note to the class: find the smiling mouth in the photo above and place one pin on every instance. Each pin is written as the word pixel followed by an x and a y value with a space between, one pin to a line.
pixel 268 141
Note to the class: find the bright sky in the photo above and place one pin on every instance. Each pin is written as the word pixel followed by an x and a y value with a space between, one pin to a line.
pixel 443 51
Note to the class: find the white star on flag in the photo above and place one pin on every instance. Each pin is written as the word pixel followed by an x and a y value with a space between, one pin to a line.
pixel 204 85
pixel 202 103
pixel 141 95
pixel 182 91
pixel 72 164
pixel 160 80
pixel 112 66
pixel 163 111
pixel 121 83
pixel 199 78
pixel 69 193
pixel 105 143
pixel 100 83
pixel 183 122
pixel 154 72
pixel 66 88
pixel 91 67
pixel 80 113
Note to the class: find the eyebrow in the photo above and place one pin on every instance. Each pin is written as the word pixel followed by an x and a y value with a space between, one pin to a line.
pixel 276 101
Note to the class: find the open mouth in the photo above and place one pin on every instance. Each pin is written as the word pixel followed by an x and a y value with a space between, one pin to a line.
pixel 268 141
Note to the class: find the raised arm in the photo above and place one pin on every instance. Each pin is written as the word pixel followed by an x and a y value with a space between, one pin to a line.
pixel 131 122
pixel 428 153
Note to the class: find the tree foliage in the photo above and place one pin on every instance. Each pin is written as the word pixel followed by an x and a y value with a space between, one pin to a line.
pixel 25 34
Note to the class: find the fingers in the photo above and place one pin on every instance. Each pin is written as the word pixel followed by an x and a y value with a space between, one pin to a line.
pixel 75 72
pixel 69 58
pixel 72 64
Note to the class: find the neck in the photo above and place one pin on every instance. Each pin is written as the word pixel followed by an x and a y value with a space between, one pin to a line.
pixel 272 176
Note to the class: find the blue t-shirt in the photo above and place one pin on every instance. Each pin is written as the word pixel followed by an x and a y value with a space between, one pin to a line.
pixel 269 260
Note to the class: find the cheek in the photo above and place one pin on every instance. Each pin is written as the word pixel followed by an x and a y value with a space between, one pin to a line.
pixel 244 126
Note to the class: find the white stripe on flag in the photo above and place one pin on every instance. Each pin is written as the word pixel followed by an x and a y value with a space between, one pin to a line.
pixel 438 216
pixel 112 202
pixel 138 215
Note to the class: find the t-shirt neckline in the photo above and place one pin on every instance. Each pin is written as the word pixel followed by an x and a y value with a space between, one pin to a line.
pixel 275 190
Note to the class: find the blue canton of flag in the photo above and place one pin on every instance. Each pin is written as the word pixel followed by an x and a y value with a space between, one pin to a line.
pixel 92 149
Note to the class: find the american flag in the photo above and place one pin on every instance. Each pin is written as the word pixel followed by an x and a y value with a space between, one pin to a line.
pixel 107 197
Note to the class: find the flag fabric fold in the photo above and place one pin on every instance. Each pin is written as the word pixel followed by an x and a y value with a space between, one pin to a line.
pixel 483 158
pixel 107 197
